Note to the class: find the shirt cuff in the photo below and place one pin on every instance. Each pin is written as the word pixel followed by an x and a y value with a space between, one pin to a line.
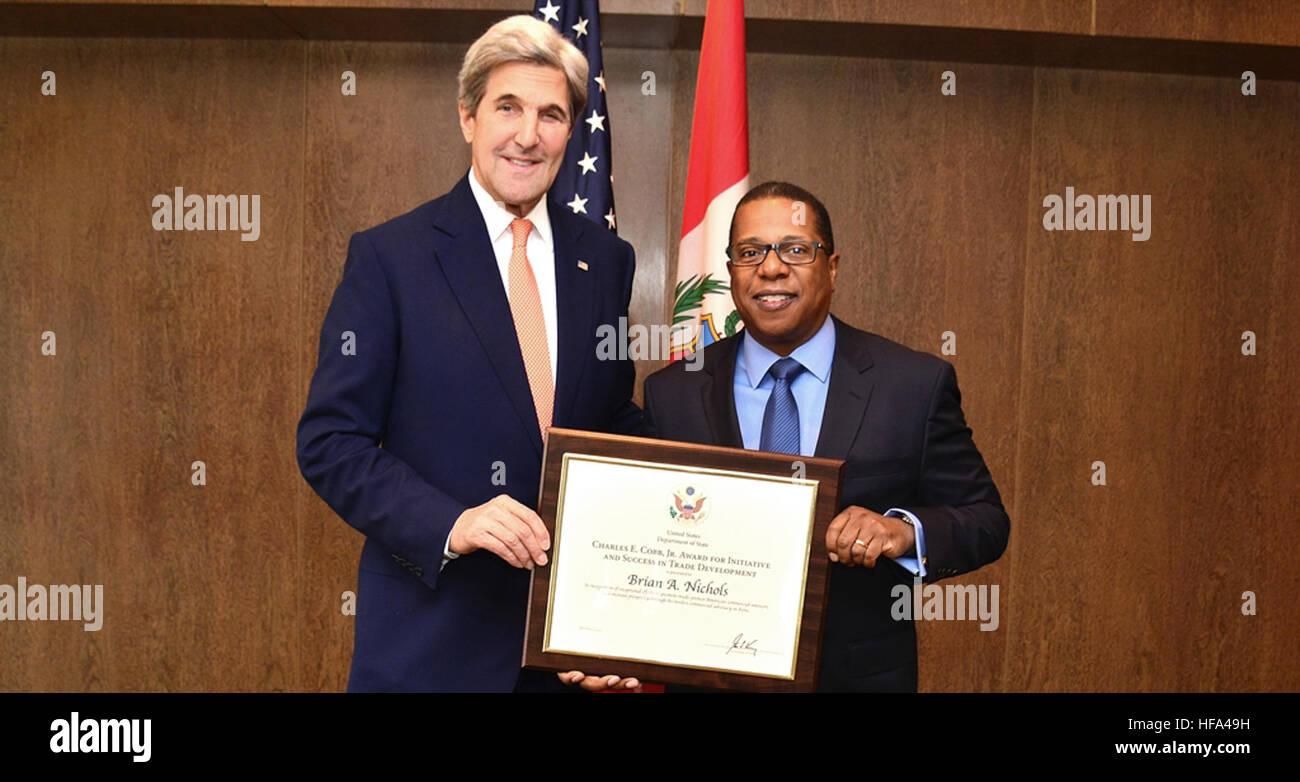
pixel 915 562
pixel 447 554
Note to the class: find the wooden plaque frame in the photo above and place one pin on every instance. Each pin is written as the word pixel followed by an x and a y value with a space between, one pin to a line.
pixel 827 472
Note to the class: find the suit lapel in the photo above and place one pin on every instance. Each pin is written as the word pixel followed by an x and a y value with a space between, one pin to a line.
pixel 575 303
pixel 848 396
pixel 718 395
pixel 465 254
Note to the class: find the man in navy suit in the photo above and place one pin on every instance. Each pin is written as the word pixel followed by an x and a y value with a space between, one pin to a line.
pixel 917 498
pixel 458 333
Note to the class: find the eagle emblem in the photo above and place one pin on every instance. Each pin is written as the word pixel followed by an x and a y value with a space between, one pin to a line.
pixel 690 506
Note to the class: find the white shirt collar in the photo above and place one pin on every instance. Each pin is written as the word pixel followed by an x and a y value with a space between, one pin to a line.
pixel 498 218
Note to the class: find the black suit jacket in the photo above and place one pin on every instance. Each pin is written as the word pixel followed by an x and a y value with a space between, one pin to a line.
pixel 894 415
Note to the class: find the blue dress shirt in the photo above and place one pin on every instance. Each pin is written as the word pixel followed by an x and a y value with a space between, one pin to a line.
pixel 753 385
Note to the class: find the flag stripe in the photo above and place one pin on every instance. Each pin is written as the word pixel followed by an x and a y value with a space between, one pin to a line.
pixel 720 125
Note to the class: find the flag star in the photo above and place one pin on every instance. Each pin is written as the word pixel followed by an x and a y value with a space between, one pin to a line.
pixel 588 163
pixel 609 218
pixel 578 204
pixel 550 12
pixel 596 121
pixel 600 80
pixel 579 29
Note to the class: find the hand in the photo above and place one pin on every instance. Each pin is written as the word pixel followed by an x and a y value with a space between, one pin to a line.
pixel 596 683
pixel 858 536
pixel 505 527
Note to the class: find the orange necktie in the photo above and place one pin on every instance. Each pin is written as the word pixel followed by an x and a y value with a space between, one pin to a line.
pixel 530 325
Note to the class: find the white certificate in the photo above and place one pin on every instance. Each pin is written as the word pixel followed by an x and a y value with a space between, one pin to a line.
pixel 681 566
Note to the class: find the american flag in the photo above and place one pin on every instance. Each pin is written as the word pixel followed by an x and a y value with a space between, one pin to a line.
pixel 585 182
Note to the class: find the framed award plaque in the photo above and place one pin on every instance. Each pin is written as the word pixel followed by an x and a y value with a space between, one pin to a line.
pixel 681 563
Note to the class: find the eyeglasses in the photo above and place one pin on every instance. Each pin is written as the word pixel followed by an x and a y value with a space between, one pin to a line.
pixel 796 253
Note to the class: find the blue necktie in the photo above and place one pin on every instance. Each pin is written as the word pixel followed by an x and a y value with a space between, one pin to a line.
pixel 781 417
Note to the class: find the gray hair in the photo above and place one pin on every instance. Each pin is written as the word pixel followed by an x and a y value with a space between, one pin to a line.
pixel 523 39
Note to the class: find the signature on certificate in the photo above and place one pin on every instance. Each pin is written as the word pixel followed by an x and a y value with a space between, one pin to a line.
pixel 742 645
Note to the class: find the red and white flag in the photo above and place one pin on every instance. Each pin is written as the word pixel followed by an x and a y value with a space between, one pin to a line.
pixel 717 177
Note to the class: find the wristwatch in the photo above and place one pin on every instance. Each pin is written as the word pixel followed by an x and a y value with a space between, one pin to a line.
pixel 903 517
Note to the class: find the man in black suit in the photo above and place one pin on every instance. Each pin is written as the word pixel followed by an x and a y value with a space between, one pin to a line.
pixel 917 496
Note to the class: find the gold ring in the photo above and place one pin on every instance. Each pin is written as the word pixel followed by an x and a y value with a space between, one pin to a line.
pixel 859 542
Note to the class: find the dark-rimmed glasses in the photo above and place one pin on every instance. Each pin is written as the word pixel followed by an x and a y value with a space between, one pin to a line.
pixel 792 253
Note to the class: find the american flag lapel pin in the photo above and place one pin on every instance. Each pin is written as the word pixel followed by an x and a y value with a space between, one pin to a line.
pixel 582 265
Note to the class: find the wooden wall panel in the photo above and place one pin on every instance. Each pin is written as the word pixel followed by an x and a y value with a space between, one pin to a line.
pixel 1063 16
pixel 1070 347
pixel 172 347
pixel 644 135
pixel 1272 22
pixel 1133 357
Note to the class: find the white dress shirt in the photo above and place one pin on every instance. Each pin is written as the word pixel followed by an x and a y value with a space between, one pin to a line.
pixel 541 256
pixel 540 250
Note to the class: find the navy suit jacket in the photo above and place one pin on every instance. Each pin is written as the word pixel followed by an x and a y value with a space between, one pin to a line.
pixel 894 415
pixel 432 414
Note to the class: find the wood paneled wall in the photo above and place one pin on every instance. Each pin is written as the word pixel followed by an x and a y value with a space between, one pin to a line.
pixel 1072 347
